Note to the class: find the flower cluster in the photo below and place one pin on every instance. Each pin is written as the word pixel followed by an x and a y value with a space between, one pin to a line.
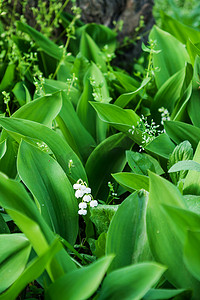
pixel 149 131
pixel 164 114
pixel 84 192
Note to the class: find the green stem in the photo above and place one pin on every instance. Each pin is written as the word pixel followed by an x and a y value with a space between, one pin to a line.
pixel 59 13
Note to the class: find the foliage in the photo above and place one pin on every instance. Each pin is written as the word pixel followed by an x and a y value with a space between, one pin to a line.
pixel 99 169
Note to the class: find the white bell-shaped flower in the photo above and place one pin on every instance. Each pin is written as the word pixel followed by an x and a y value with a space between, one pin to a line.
pixel 82 212
pixel 87 198
pixel 93 203
pixel 82 205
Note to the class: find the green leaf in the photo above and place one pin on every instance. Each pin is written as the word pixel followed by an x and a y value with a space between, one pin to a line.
pixel 91 51
pixel 161 146
pixel 180 131
pixel 42 41
pixel 124 99
pixel 56 143
pixel 172 57
pixel 132 282
pixel 181 31
pixel 21 93
pixel 98 92
pixel 71 126
pixel 158 294
pixel 50 186
pixel 34 269
pixel 140 163
pixel 103 36
pixel 132 181
pixel 8 77
pixel 15 251
pixel 121 119
pixel 130 218
pixel 191 185
pixel 80 284
pixel 182 152
pixel 16 201
pixel 193 105
pixel 128 82
pixel 191 252
pixel 185 165
pixel 3 147
pixel 165 233
pixel 3 226
pixel 43 110
pixel 108 157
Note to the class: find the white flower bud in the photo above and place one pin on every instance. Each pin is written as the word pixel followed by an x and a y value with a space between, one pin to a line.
pixel 87 198
pixel 82 212
pixel 82 205
pixel 93 203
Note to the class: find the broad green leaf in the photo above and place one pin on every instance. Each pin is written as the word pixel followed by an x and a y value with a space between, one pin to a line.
pixel 21 93
pixel 8 77
pixel 91 51
pixel 50 186
pixel 3 226
pixel 193 50
pixel 16 201
pixel 169 92
pixel 121 119
pixel 42 41
pixel 108 157
pixel 79 284
pixel 15 251
pixel 161 146
pixel 132 181
pixel 130 218
pixel 124 99
pixel 166 235
pixel 179 30
pixel 172 57
pixel 128 83
pixel 193 203
pixel 8 161
pixel 56 143
pixel 34 269
pixel 103 36
pixel 191 252
pixel 131 282
pixel 193 105
pixel 180 131
pixel 158 294
pixel 191 185
pixel 185 165
pixel 182 152
pixel 140 163
pixel 95 88
pixel 3 148
pixel 70 124
pixel 43 110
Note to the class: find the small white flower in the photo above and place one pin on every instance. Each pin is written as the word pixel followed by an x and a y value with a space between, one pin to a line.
pixel 87 190
pixel 79 193
pixel 82 205
pixel 87 198
pixel 77 186
pixel 82 212
pixel 93 203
